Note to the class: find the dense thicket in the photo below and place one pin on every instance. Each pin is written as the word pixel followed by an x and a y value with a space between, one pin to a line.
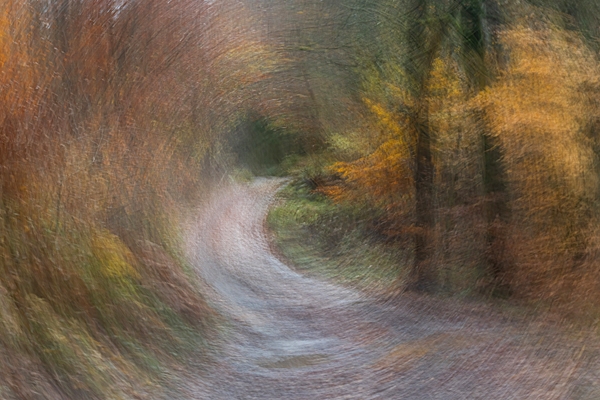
pixel 473 142
pixel 109 114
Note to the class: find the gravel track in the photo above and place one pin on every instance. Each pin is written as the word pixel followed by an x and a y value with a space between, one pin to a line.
pixel 295 337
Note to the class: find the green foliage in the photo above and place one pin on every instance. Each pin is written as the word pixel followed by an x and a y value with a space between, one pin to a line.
pixel 328 240
pixel 262 147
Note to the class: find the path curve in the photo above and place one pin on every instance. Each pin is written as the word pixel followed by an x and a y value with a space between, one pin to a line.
pixel 295 337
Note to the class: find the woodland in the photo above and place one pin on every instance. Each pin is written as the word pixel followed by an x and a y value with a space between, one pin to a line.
pixel 464 133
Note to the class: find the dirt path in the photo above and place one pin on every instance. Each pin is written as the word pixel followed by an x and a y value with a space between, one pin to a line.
pixel 294 337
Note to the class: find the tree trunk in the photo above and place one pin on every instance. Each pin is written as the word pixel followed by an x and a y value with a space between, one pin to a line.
pixel 422 277
pixel 424 39
pixel 496 213
pixel 494 177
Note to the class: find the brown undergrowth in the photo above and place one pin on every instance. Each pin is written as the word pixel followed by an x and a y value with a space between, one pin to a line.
pixel 98 160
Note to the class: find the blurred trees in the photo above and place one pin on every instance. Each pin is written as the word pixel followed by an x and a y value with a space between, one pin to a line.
pixel 465 131
pixel 110 119
pixel 541 114
pixel 480 144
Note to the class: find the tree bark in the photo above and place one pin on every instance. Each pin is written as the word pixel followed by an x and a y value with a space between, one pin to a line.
pixel 422 277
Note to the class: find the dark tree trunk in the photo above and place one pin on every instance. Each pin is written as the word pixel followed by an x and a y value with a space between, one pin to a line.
pixel 424 40
pixel 488 13
pixel 496 213
pixel 422 277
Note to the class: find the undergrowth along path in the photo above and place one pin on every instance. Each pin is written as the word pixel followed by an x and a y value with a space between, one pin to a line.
pixel 296 337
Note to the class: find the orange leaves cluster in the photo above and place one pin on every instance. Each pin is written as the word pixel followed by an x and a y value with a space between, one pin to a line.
pixel 386 174
pixel 377 178
pixel 382 179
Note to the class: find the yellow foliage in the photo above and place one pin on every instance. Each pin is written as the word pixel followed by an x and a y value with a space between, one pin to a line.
pixel 385 178
pixel 540 111
pixel 443 81
pixel 115 258
pixel 386 119
pixel 379 179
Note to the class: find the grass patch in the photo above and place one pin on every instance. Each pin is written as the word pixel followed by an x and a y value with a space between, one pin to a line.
pixel 326 240
pixel 329 240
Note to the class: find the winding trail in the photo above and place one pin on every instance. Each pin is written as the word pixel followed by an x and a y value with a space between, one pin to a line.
pixel 295 337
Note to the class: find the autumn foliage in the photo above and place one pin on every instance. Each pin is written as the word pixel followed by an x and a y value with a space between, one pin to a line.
pixel 543 113
pixel 469 135
pixel 525 118
pixel 107 128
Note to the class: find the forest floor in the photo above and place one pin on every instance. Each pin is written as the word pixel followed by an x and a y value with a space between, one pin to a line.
pixel 294 336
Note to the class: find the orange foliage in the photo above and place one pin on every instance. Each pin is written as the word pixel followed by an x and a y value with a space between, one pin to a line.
pixel 541 114
pixel 384 179
pixel 381 181
pixel 107 111
pixel 376 179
